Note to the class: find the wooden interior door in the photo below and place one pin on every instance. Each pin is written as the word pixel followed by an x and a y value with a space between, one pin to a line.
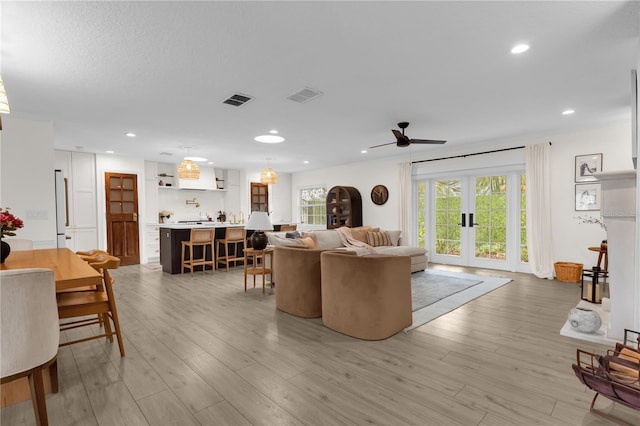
pixel 259 197
pixel 122 217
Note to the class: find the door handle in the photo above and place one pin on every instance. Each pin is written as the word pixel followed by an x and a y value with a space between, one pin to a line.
pixel 135 217
pixel 463 220
pixel 471 222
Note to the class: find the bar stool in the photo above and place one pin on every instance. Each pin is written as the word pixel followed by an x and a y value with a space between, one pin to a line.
pixel 288 228
pixel 233 237
pixel 200 238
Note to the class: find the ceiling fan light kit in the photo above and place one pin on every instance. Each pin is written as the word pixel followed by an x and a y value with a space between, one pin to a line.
pixel 403 141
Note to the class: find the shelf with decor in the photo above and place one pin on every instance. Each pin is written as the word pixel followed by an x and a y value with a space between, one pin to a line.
pixel 344 207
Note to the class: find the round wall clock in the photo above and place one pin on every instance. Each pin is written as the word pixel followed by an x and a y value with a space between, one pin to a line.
pixel 379 194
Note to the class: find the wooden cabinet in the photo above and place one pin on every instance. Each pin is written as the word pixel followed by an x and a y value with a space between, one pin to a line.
pixel 259 197
pixel 344 207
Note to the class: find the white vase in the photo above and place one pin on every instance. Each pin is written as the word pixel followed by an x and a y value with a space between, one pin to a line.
pixel 584 320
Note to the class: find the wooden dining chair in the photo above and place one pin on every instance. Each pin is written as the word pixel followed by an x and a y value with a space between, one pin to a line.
pixel 234 241
pixel 30 333
pixel 85 303
pixel 202 238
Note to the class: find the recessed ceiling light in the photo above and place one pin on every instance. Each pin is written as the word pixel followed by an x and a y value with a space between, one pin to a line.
pixel 306 161
pixel 274 132
pixel 196 159
pixel 210 162
pixel 269 139
pixel 109 152
pixel 130 134
pixel 520 48
pixel 364 151
pixel 568 112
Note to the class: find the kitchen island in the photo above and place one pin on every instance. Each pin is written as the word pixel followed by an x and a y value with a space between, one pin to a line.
pixel 172 235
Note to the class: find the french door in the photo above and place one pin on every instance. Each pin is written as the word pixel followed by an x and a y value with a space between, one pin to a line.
pixel 476 220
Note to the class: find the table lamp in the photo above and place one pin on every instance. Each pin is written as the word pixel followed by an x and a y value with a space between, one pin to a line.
pixel 259 222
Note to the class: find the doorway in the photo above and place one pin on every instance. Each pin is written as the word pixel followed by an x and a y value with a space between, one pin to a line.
pixel 476 220
pixel 122 217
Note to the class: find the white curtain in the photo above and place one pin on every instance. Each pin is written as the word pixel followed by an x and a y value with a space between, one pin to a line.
pixel 539 210
pixel 405 192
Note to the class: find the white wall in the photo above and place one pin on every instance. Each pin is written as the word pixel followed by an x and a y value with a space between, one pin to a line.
pixel 175 200
pixel 362 176
pixel 27 182
pixel 570 238
pixel 279 195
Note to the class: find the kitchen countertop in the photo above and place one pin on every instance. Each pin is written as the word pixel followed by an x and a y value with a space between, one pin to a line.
pixel 203 224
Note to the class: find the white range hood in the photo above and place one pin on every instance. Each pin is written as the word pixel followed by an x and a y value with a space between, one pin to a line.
pixel 207 180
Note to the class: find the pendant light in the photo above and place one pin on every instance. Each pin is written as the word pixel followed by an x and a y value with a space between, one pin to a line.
pixel 188 169
pixel 268 176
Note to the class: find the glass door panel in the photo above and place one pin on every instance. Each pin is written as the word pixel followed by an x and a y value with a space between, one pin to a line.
pixel 474 220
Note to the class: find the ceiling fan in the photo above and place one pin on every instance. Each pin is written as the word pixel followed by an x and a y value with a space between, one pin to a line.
pixel 403 141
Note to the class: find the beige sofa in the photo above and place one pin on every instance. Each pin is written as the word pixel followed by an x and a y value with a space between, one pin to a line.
pixel 329 239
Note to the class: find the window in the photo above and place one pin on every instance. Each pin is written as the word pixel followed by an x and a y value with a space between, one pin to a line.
pixel 312 205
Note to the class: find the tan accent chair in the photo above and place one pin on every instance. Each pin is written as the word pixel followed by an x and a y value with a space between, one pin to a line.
pixel 29 329
pixel 368 297
pixel 298 288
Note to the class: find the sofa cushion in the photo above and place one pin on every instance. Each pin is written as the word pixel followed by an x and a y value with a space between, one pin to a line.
pixel 400 250
pixel 277 240
pixel 380 238
pixel 325 239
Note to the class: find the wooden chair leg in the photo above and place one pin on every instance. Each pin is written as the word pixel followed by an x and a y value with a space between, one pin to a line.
pixel 116 324
pixel 53 376
pixel 36 385
pixel 107 328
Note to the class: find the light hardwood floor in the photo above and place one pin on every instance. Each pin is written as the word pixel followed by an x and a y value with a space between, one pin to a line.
pixel 201 351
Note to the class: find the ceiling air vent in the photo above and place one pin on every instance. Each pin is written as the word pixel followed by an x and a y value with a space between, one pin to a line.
pixel 304 95
pixel 165 153
pixel 237 100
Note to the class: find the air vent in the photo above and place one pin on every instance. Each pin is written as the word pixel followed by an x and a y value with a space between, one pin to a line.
pixel 304 95
pixel 237 100
pixel 165 153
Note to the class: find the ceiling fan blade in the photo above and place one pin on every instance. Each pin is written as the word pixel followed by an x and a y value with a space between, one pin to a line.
pixel 384 144
pixel 426 141
pixel 398 135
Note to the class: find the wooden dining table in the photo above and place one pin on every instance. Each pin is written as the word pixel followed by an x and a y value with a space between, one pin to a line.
pixel 69 271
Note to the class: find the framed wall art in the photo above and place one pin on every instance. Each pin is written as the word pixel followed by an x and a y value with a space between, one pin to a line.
pixel 588 197
pixel 586 166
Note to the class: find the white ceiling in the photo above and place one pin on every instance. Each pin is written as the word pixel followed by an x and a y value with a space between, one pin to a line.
pixel 162 70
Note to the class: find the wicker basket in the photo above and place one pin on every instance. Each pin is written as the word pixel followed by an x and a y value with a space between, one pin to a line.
pixel 568 272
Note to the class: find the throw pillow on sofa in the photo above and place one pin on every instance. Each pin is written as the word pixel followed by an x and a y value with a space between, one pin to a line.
pixel 377 239
pixel 307 242
pixel 360 233
pixel 293 234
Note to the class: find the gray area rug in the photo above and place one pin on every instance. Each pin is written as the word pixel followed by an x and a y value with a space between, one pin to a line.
pixel 483 285
pixel 428 287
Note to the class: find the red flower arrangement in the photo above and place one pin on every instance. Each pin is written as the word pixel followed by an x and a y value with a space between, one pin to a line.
pixel 9 223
